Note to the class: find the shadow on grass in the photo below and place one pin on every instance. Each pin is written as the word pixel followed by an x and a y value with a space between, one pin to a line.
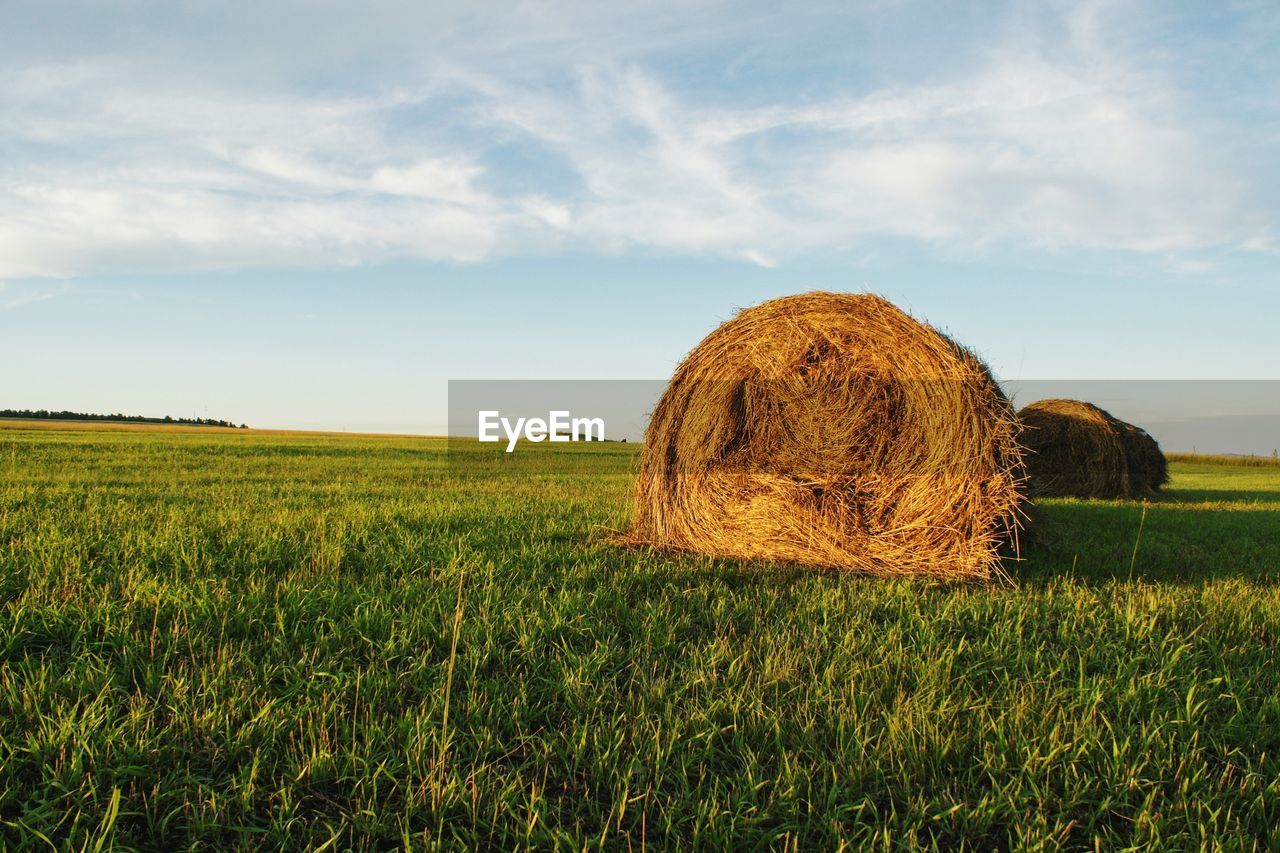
pixel 1190 536
pixel 1201 496
pixel 1091 542
pixel 1183 541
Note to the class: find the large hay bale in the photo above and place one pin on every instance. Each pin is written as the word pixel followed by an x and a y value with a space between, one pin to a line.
pixel 833 430
pixel 1075 449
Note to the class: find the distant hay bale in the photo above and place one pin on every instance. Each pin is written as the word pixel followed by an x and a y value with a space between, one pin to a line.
pixel 833 430
pixel 1075 449
pixel 1147 466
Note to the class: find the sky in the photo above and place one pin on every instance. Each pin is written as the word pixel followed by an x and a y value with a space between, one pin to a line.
pixel 314 215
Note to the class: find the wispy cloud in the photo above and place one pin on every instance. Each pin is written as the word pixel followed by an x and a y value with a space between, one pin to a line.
pixel 1058 137
pixel 18 295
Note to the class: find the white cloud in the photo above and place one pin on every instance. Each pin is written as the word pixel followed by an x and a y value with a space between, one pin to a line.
pixel 1059 144
pixel 18 295
pixel 430 179
pixel 759 259
pixel 556 215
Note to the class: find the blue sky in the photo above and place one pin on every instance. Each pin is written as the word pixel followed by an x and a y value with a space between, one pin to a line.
pixel 303 214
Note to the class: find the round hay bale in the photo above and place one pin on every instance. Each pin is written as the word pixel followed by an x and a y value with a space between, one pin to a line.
pixel 833 430
pixel 1075 449
pixel 1148 468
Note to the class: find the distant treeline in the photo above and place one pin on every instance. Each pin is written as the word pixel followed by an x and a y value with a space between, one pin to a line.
pixel 45 415
pixel 1226 459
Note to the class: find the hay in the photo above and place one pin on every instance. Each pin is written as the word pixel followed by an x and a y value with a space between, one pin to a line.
pixel 833 430
pixel 1147 465
pixel 1075 449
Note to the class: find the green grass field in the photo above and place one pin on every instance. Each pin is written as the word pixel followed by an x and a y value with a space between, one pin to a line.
pixel 253 640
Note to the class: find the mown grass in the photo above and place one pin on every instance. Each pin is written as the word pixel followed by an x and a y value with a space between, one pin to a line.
pixel 245 640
